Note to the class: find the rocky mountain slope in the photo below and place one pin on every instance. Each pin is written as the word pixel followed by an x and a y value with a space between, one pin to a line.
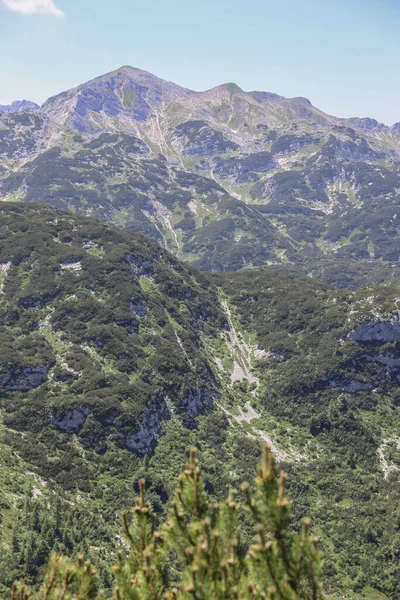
pixel 225 179
pixel 19 106
pixel 116 357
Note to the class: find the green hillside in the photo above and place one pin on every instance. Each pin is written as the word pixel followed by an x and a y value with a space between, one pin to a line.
pixel 116 357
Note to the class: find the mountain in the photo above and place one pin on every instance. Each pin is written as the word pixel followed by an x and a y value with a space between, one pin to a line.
pixel 116 357
pixel 19 106
pixel 225 179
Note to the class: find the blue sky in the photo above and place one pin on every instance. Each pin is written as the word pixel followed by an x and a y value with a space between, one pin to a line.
pixel 343 55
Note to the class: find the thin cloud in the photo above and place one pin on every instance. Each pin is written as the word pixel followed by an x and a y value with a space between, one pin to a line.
pixel 28 7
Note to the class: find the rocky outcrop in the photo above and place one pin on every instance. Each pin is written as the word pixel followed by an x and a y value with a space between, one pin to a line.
pixel 24 380
pixel 365 124
pixel 395 129
pixel 139 308
pixel 4 269
pixel 71 420
pixel 74 265
pixel 352 387
pixel 141 266
pixel 195 403
pixel 197 138
pixel 349 387
pixel 244 169
pixel 143 441
pixel 377 331
pixel 198 401
pixel 388 360
pixel 89 245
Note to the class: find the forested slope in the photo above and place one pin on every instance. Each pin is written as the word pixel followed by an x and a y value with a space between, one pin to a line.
pixel 116 357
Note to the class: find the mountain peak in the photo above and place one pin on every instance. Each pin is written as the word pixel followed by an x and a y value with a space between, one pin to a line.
pixel 126 73
pixel 230 88
pixel 129 71
pixel 19 106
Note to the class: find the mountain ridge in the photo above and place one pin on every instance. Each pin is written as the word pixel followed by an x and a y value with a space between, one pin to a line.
pixel 224 178
pixel 368 122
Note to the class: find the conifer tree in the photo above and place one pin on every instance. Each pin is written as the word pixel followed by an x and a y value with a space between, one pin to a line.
pixel 202 543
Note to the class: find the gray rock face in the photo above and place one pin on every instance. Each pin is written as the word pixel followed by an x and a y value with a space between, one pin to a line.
pixel 388 360
pixel 244 169
pixel 196 403
pixel 395 129
pixel 350 387
pixel 199 139
pixel 377 331
pixel 35 375
pixel 350 151
pixel 141 266
pixel 89 245
pixel 72 420
pixel 142 442
pixel 24 381
pixel 19 106
pixel 365 124
pixel 127 92
pixel 356 386
pixel 139 308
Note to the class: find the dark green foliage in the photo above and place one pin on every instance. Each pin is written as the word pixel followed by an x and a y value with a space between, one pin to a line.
pixel 105 343
pixel 51 525
pixel 316 378
pixel 110 371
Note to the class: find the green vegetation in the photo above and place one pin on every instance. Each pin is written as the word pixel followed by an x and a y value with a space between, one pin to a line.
pixel 116 357
pixel 199 551
pixel 129 98
pixel 316 379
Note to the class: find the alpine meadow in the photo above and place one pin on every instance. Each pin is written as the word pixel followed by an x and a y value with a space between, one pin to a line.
pixel 199 310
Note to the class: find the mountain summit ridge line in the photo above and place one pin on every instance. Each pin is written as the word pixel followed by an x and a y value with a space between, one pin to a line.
pixel 143 73
pixel 225 179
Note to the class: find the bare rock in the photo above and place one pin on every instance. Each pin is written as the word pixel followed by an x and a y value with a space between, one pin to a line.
pixel 143 441
pixel 377 331
pixel 72 420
